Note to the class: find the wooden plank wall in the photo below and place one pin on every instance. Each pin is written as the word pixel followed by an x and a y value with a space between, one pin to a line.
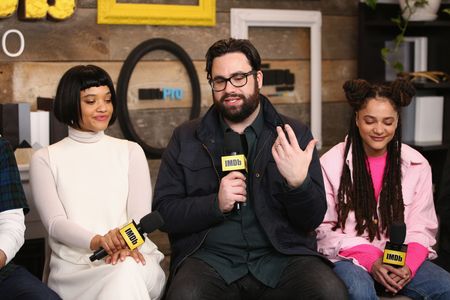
pixel 53 47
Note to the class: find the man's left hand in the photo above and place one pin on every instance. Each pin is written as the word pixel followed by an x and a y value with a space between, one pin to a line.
pixel 292 162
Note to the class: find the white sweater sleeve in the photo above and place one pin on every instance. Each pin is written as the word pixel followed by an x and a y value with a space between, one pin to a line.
pixel 50 208
pixel 12 230
pixel 140 188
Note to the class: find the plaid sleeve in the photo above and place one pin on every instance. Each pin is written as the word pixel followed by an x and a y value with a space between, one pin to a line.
pixel 11 190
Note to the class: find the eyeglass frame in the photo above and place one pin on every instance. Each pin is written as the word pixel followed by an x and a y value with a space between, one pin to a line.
pixel 226 80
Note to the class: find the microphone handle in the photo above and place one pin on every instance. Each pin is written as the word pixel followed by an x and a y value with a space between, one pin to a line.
pixel 99 254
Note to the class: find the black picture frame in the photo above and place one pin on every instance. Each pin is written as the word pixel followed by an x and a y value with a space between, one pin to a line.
pixel 124 78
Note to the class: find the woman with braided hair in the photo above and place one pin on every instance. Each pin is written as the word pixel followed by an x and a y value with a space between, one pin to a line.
pixel 372 181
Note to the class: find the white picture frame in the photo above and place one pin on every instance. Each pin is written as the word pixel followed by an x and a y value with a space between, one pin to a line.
pixel 242 18
pixel 420 52
pixel 412 54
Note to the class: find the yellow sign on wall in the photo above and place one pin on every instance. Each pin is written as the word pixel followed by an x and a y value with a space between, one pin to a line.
pixel 39 9
pixel 8 7
pixel 111 12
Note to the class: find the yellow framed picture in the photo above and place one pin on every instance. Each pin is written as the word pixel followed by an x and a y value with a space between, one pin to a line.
pixel 111 12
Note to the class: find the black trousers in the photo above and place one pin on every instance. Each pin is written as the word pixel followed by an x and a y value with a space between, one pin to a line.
pixel 22 285
pixel 306 277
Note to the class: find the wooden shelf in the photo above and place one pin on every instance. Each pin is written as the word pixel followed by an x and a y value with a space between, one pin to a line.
pixel 432 85
pixel 428 24
pixel 384 12
pixel 430 146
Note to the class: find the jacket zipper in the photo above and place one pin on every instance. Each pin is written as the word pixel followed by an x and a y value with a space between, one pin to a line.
pixel 254 163
pixel 206 233
pixel 212 161
pixel 260 150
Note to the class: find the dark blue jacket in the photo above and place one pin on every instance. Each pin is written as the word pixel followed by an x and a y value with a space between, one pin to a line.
pixel 189 179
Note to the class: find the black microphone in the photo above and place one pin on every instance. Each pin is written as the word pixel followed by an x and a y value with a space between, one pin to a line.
pixel 134 234
pixel 234 160
pixel 395 251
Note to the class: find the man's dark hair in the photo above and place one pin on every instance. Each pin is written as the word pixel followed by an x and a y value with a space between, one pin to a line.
pixel 231 45
pixel 67 107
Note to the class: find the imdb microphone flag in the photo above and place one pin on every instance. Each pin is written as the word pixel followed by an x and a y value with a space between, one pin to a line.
pixel 131 235
pixel 234 163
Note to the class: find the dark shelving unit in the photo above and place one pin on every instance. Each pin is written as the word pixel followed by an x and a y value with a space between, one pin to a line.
pixel 375 27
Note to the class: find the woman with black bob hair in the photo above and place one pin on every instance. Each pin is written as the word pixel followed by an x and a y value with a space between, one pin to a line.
pixel 373 184
pixel 86 187
pixel 67 108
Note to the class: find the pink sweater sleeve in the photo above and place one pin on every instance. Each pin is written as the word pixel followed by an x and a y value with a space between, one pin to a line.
pixel 415 256
pixel 366 255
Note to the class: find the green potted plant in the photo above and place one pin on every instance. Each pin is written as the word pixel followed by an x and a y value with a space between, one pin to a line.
pixel 410 10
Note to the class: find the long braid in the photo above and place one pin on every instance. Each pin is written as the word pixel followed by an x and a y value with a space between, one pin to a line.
pixel 390 209
pixel 357 195
pixel 344 205
pixel 356 192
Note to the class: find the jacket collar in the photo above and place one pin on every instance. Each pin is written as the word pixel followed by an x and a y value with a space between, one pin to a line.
pixel 408 157
pixel 411 156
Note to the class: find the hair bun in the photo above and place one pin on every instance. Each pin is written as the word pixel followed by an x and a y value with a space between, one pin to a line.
pixel 356 91
pixel 402 92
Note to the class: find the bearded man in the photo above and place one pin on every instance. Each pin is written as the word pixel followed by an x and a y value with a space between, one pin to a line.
pixel 243 235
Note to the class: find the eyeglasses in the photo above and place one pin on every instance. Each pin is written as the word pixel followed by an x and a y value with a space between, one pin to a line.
pixel 237 80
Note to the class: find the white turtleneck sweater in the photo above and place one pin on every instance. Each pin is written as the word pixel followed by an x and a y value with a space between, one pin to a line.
pixel 87 162
pixel 84 185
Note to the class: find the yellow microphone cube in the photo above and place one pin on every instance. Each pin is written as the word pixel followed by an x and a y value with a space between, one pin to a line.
pixel 234 163
pixel 393 257
pixel 131 235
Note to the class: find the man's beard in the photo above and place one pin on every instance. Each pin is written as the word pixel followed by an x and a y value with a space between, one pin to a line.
pixel 238 114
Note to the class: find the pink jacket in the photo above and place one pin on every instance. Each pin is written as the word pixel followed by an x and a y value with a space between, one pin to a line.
pixel 420 216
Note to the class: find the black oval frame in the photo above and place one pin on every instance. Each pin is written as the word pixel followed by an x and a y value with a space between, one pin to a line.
pixel 124 78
